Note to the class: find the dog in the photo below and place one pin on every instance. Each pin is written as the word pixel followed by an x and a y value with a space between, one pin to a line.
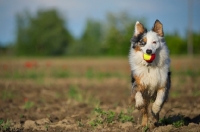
pixel 150 78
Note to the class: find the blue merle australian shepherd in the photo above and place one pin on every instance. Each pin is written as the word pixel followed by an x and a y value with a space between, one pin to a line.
pixel 150 63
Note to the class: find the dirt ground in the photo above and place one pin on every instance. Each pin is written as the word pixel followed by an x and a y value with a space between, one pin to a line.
pixel 63 94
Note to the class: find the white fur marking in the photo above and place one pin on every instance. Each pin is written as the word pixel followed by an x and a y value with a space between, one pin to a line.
pixel 138 100
pixel 158 102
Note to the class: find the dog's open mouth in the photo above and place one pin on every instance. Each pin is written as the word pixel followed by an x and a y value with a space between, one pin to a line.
pixel 149 57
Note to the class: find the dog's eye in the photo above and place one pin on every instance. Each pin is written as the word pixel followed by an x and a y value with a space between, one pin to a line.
pixel 142 43
pixel 154 42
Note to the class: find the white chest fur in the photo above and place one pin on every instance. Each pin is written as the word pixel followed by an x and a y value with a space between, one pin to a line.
pixel 151 77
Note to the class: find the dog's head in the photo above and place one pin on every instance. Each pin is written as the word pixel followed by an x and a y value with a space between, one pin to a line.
pixel 147 42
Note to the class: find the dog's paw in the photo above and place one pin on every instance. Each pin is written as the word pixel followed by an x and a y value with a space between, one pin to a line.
pixel 153 121
pixel 155 108
pixel 139 104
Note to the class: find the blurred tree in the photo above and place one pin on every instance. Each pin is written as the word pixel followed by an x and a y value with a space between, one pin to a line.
pixel 196 42
pixel 111 37
pixel 43 34
pixel 91 39
pixel 90 42
pixel 176 44
pixel 120 29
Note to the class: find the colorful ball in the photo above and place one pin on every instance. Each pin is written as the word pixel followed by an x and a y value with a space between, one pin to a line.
pixel 149 58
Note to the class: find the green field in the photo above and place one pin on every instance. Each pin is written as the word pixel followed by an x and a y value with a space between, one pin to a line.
pixel 90 94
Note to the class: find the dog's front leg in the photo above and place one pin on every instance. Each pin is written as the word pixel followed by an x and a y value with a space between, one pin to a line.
pixel 157 105
pixel 139 101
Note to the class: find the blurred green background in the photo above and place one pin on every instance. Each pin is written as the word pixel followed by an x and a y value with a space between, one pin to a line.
pixel 45 34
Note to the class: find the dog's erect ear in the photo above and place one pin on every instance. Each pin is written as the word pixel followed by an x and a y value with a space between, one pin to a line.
pixel 139 29
pixel 158 28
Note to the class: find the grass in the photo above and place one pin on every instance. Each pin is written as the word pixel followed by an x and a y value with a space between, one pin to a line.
pixel 5 126
pixel 145 129
pixel 102 117
pixel 176 120
pixel 80 124
pixel 1 122
pixel 108 117
pixel 179 123
pixel 35 74
pixel 91 73
pixel 25 74
pixel 61 74
pixel 125 118
pixel 186 72
pixel 28 104
pixel 196 92
pixel 46 127
pixel 17 70
pixel 6 95
pixel 75 93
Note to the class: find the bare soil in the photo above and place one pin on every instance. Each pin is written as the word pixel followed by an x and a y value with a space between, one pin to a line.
pixel 51 94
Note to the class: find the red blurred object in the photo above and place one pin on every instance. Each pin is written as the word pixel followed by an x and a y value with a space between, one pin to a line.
pixel 25 99
pixel 5 66
pixel 30 64
pixel 48 63
pixel 153 56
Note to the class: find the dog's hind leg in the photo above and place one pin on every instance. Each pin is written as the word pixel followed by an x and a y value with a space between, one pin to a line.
pixel 142 104
pixel 144 111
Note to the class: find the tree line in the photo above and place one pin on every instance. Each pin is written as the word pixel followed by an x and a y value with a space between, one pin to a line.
pixel 45 34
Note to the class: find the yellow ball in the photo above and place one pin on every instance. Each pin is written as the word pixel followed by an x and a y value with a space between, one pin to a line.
pixel 147 57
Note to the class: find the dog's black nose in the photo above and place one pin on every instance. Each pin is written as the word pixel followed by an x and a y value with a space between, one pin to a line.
pixel 148 51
